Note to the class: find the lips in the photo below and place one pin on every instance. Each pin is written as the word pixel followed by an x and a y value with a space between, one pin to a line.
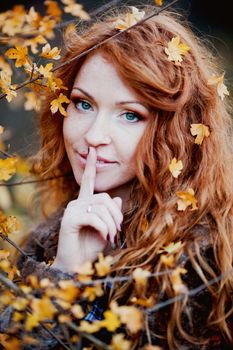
pixel 99 158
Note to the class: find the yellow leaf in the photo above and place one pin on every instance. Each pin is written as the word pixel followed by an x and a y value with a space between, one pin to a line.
pixel 111 321
pixel 120 343
pixel 177 283
pixel 186 199
pixel 175 50
pixel 77 311
pixel 64 318
pixel 7 88
pixel 20 304
pixel 31 322
pixel 144 302
pixel 140 276
pixel 4 254
pixel 46 28
pixel 221 87
pixel 172 248
pixel 7 168
pixel 47 70
pixel 168 261
pixel 92 292
pixel 200 131
pixel 32 102
pixel 75 9
pixel 53 10
pixel 103 265
pixel 55 84
pixel 159 2
pixel 129 315
pixel 11 344
pixel 57 104
pixel 85 269
pixel 4 65
pixel 43 308
pixel 175 167
pixel 20 54
pixel 130 19
pixel 34 42
pixel 90 327
pixel 49 53
pixel 1 129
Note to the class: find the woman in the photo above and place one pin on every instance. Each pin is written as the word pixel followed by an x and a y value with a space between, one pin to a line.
pixel 130 113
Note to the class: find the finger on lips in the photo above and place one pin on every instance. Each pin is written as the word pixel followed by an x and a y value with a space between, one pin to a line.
pixel 89 174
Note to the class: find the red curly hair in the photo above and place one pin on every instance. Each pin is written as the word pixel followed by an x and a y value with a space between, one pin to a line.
pixel 178 96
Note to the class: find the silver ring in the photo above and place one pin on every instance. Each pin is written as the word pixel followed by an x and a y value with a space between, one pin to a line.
pixel 89 208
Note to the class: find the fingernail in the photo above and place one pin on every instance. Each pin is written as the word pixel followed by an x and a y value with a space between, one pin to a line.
pixel 119 227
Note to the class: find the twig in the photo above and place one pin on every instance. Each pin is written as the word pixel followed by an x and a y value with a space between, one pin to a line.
pixel 7 155
pixel 5 238
pixel 94 340
pixel 33 181
pixel 8 283
pixel 190 293
pixel 40 76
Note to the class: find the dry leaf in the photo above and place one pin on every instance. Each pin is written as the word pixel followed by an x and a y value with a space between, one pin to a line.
pixel 130 19
pixel 57 104
pixel 120 343
pixel 103 265
pixel 221 87
pixel 129 315
pixel 187 198
pixel 32 102
pixel 5 85
pixel 177 283
pixel 175 50
pixel 47 70
pixel 111 321
pixel 175 167
pixel 172 248
pixel 20 54
pixel 159 2
pixel 200 131
pixel 49 53
pixel 141 276
pixel 7 168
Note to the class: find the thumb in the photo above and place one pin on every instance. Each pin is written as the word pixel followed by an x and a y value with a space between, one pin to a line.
pixel 118 201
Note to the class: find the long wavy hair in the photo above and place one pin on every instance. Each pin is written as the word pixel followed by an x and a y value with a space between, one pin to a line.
pixel 178 96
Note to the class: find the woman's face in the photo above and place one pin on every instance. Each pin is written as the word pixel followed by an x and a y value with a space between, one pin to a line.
pixel 107 115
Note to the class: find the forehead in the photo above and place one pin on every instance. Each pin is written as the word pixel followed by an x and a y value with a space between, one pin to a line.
pixel 98 74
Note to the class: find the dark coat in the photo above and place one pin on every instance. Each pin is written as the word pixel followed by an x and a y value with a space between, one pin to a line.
pixel 41 248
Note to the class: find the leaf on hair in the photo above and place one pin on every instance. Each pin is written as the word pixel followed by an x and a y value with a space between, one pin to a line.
pixel 221 87
pixel 175 50
pixel 186 199
pixel 130 19
pixel 175 167
pixel 200 131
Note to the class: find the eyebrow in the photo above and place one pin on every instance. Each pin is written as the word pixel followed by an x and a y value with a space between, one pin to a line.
pixel 118 103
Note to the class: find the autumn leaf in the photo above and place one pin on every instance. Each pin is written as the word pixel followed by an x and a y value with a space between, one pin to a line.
pixel 140 276
pixel 221 87
pixel 7 168
pixel 8 224
pixel 55 84
pixel 49 53
pixel 187 198
pixel 159 2
pixel 129 315
pixel 200 131
pixel 43 308
pixel 103 265
pixel 77 311
pixel 85 269
pixel 94 327
pixel 32 101
pixel 172 248
pixel 175 167
pixel 75 9
pixel 111 321
pixel 167 260
pixel 47 70
pixel 130 19
pixel 1 129
pixel 34 42
pixel 92 292
pixel 4 254
pixel 20 54
pixel 120 343
pixel 46 28
pixel 57 104
pixel 4 65
pixel 175 50
pixel 53 10
pixel 177 283
pixel 5 85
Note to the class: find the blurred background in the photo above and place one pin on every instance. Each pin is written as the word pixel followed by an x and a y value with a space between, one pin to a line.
pixel 209 19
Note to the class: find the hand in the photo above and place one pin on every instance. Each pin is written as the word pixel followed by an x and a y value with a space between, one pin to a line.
pixel 84 233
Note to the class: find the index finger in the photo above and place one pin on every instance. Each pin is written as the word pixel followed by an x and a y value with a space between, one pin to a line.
pixel 89 174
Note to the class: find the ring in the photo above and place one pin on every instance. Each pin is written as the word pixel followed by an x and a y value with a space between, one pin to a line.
pixel 89 208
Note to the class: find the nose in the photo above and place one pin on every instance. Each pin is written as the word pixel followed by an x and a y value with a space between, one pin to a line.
pixel 98 133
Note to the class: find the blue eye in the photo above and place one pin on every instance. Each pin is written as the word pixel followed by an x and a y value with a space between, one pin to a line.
pixel 132 117
pixel 82 105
